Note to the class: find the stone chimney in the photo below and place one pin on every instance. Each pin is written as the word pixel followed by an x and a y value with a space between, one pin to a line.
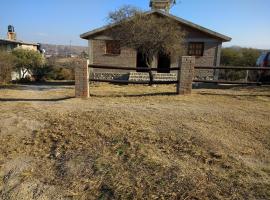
pixel 164 5
pixel 11 35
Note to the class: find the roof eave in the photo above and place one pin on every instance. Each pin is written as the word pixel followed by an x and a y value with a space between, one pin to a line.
pixel 224 38
pixel 19 42
pixel 88 34
pixel 98 30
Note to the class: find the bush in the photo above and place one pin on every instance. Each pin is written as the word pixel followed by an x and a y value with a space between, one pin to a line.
pixel 237 57
pixel 62 73
pixel 6 66
pixel 26 79
pixel 62 69
pixel 42 73
pixel 28 61
pixel 232 75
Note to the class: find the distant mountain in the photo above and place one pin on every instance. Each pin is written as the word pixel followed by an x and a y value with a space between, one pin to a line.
pixel 63 50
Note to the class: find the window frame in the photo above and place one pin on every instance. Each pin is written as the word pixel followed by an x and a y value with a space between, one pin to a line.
pixel 112 52
pixel 195 49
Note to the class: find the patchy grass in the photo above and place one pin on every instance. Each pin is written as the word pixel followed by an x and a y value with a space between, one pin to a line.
pixel 132 142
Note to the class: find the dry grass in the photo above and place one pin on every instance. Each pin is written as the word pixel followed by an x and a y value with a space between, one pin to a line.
pixel 123 143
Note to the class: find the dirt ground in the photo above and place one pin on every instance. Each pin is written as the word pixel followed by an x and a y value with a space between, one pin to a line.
pixel 134 142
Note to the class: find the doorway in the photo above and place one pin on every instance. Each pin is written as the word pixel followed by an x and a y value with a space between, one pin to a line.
pixel 164 63
pixel 141 62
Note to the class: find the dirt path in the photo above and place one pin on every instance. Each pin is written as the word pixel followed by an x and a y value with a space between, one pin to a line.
pixel 132 142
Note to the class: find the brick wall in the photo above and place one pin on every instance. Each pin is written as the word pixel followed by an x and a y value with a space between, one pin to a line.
pixel 128 57
pixel 209 58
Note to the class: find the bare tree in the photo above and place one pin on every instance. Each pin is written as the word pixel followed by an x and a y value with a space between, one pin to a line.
pixel 6 66
pixel 149 34
pixel 123 13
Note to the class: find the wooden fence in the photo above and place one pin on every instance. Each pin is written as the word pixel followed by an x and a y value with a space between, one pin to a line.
pixel 185 76
pixel 183 82
pixel 231 68
pixel 178 71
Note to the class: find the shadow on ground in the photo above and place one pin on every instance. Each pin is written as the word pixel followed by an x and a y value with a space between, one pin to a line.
pixel 234 95
pixel 210 89
pixel 226 86
pixel 136 95
pixel 52 83
pixel 30 100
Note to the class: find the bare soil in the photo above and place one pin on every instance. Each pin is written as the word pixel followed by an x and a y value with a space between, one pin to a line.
pixel 134 142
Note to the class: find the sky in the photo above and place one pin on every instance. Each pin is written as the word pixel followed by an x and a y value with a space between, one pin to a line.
pixel 247 22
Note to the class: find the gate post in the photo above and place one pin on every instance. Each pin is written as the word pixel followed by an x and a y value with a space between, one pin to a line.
pixel 185 75
pixel 82 80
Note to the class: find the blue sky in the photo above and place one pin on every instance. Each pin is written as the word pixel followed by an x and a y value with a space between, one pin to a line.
pixel 62 21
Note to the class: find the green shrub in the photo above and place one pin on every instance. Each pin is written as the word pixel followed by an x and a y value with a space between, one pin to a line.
pixel 237 57
pixel 62 69
pixel 28 61
pixel 42 73
pixel 232 75
pixel 64 74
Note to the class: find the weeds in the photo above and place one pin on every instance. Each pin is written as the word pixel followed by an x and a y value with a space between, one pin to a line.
pixel 161 147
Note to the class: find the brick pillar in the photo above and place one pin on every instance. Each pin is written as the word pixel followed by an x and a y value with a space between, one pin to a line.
pixel 82 80
pixel 186 75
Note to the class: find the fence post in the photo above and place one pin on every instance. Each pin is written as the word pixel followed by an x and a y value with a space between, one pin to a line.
pixel 185 75
pixel 82 80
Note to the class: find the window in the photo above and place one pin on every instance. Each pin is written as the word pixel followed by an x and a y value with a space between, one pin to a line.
pixel 195 48
pixel 113 47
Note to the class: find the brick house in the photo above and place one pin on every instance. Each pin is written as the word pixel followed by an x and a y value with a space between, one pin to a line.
pixel 200 42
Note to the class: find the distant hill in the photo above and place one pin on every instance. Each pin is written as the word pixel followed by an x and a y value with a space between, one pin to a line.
pixel 239 48
pixel 63 50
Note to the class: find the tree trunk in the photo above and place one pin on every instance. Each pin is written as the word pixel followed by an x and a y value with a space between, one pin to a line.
pixel 151 77
pixel 23 72
pixel 247 74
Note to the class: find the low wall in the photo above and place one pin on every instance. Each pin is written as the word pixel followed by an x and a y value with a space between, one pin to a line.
pixel 133 76
pixel 183 78
pixel 202 74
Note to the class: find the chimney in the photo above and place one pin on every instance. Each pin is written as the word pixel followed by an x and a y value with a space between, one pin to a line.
pixel 11 35
pixel 164 5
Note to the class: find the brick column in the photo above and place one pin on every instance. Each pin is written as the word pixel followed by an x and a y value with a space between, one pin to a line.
pixel 82 80
pixel 186 75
